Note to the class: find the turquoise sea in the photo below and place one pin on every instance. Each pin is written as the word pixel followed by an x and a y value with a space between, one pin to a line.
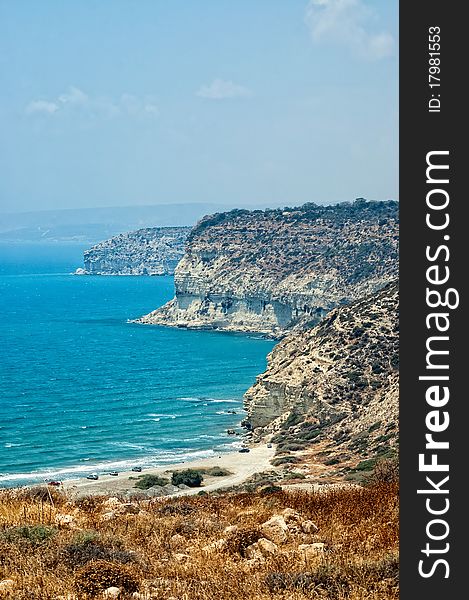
pixel 83 390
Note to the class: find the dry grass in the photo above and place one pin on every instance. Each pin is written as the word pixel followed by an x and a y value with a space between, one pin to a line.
pixel 162 549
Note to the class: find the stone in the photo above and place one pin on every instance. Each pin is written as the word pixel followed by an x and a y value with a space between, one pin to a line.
pixel 253 552
pixel 231 529
pixel 291 516
pixel 309 527
pixel 311 551
pixel 267 547
pixel 112 502
pixel 112 592
pixel 215 546
pixel 65 520
pixel 7 585
pixel 275 529
pixel 109 516
pixel 130 509
pixel 181 557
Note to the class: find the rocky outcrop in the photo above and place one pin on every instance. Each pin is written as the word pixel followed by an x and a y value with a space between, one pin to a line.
pixel 275 270
pixel 152 251
pixel 337 382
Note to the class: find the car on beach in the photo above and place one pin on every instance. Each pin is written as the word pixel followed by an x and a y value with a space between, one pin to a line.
pixel 113 473
pixel 55 483
pixel 93 476
pixel 137 469
pixel 244 450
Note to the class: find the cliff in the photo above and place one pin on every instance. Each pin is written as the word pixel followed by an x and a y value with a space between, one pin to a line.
pixel 151 251
pixel 274 270
pixel 335 385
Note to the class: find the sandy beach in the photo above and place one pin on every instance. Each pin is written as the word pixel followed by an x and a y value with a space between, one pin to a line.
pixel 241 465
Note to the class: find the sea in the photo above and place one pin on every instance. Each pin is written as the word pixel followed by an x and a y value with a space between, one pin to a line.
pixel 83 390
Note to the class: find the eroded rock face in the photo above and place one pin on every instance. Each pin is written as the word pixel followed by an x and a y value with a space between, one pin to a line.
pixel 336 381
pixel 276 270
pixel 151 251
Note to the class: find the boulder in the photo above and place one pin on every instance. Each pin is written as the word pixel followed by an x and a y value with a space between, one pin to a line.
pixel 275 529
pixel 7 585
pixel 130 509
pixel 65 520
pixel 253 552
pixel 309 527
pixel 267 547
pixel 311 551
pixel 215 546
pixel 291 516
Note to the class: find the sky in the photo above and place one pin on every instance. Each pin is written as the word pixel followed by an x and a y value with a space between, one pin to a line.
pixel 121 103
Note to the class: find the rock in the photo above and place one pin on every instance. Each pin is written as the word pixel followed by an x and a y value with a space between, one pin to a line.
pixel 112 503
pixel 215 546
pixel 109 516
pixel 150 251
pixel 6 585
pixel 181 557
pixel 275 529
pixel 311 551
pixel 232 276
pixel 309 527
pixel 231 529
pixel 183 486
pixel 130 509
pixel 65 520
pixel 253 552
pixel 291 516
pixel 177 540
pixel 112 592
pixel 267 547
pixel 169 488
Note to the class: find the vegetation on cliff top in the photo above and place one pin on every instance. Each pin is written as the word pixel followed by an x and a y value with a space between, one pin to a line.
pixel 338 544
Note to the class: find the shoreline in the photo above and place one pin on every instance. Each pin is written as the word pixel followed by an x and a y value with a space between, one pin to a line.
pixel 241 466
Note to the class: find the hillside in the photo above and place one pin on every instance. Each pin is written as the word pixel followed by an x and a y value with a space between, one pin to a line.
pixel 340 544
pixel 151 251
pixel 332 390
pixel 269 271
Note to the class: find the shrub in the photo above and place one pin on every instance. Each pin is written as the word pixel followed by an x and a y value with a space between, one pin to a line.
pixel 238 541
pixel 145 482
pixel 35 534
pixel 88 547
pixel 284 460
pixel 180 508
pixel 188 477
pixel 98 575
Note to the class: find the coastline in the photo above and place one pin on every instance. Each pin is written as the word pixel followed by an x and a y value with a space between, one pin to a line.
pixel 241 467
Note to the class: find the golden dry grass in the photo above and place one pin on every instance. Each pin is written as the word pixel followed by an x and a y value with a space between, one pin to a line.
pixel 138 550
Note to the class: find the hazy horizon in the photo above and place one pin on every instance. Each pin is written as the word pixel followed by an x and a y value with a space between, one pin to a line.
pixel 151 103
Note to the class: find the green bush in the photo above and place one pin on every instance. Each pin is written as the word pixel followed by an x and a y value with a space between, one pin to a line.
pixel 145 482
pixel 188 477
pixel 35 534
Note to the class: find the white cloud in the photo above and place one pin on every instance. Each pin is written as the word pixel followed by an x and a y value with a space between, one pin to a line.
pixel 347 22
pixel 76 101
pixel 42 106
pixel 74 96
pixel 220 89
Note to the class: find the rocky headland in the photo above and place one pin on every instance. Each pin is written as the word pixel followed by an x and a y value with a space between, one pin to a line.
pixel 279 270
pixel 151 251
pixel 333 390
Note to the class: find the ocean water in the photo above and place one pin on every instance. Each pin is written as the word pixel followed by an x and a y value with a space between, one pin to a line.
pixel 83 390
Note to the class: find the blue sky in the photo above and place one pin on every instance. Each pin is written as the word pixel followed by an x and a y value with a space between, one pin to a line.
pixel 119 102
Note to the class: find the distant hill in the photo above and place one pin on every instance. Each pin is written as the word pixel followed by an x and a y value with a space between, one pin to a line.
pixel 93 225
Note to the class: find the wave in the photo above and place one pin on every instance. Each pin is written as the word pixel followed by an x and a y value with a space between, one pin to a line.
pixel 163 457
